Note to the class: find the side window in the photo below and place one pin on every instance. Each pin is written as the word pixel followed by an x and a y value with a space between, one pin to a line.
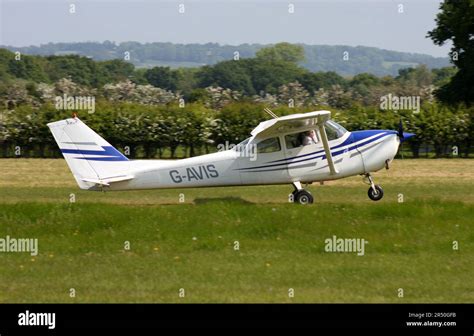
pixel 294 140
pixel 301 139
pixel 269 145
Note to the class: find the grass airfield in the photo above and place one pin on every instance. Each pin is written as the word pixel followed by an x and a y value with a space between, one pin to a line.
pixel 190 243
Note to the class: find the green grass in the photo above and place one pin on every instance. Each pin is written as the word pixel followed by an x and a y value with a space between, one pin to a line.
pixel 191 245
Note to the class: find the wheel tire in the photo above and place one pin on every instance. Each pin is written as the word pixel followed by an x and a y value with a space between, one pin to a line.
pixel 375 196
pixel 303 197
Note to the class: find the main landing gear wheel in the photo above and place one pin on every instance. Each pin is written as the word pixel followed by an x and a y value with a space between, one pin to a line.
pixel 303 197
pixel 300 195
pixel 377 194
pixel 375 191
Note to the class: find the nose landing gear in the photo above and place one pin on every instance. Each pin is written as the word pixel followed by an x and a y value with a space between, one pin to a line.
pixel 301 196
pixel 375 191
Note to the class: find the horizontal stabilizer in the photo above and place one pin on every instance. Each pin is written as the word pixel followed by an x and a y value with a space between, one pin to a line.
pixel 108 180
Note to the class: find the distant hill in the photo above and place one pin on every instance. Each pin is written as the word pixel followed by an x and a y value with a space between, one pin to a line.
pixel 377 61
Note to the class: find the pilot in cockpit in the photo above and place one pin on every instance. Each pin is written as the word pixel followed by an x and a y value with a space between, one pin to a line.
pixel 310 138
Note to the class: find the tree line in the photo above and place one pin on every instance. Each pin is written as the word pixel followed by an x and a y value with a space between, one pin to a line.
pixel 263 74
pixel 377 61
pixel 170 131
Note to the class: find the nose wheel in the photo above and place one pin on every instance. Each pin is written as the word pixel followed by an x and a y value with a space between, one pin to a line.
pixel 375 191
pixel 301 196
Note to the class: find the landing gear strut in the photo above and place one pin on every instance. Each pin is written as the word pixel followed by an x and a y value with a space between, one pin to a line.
pixel 300 195
pixel 375 191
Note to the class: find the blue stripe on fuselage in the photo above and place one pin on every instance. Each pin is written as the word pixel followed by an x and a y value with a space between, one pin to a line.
pixel 361 135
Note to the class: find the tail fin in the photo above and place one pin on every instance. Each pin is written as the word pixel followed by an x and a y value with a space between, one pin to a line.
pixel 92 160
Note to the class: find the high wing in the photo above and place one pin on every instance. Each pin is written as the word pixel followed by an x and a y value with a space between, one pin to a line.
pixel 297 123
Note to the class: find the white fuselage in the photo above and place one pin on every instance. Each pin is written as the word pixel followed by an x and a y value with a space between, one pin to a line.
pixel 353 153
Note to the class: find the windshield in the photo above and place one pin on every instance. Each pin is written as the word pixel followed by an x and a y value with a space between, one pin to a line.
pixel 334 130
pixel 241 146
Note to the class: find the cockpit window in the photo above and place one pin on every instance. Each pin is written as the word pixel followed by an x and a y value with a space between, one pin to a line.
pixel 334 130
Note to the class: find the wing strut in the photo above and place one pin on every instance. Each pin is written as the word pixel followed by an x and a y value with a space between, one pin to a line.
pixel 327 149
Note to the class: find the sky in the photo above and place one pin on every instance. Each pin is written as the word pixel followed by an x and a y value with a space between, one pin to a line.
pixel 399 25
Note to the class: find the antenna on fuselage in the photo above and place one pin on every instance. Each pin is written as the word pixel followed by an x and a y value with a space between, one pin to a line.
pixel 273 115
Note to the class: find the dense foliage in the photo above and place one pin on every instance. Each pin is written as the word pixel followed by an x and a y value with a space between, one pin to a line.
pixel 159 130
pixel 267 73
pixel 455 23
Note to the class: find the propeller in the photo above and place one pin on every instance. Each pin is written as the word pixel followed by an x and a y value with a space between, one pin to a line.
pixel 400 130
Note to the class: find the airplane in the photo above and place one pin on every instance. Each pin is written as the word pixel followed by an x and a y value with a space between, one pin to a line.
pixel 295 149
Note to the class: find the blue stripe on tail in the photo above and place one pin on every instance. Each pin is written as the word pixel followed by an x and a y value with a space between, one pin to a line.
pixel 108 153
